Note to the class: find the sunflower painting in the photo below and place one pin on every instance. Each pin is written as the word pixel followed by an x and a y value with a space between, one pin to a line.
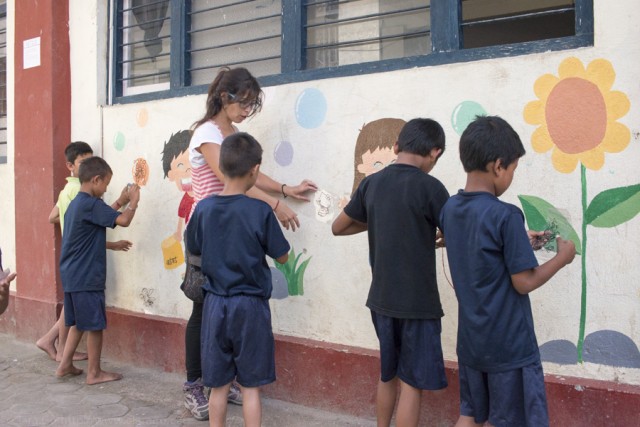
pixel 576 116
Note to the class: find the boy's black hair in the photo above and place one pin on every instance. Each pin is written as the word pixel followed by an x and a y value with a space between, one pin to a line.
pixel 420 136
pixel 75 149
pixel 93 166
pixel 178 143
pixel 487 139
pixel 239 153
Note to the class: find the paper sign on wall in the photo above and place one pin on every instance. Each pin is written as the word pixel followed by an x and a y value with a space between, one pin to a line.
pixel 31 53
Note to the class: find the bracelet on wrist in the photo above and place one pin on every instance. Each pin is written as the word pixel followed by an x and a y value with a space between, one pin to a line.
pixel 132 209
pixel 276 206
pixel 118 205
pixel 282 190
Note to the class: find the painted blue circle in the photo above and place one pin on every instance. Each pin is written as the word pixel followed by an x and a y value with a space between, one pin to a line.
pixel 311 108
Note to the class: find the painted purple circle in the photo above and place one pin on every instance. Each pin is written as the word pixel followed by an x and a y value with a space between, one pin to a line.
pixel 283 153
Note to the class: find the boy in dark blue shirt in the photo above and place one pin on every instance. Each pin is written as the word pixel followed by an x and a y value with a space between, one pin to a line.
pixel 233 232
pixel 399 207
pixel 493 269
pixel 83 265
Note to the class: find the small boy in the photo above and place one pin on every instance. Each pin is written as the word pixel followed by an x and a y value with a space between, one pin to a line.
pixel 493 269
pixel 5 280
pixel 83 266
pixel 75 153
pixel 233 232
pixel 399 207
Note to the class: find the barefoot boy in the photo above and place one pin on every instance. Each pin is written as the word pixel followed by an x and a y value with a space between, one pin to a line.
pixel 83 265
pixel 233 232
pixel 494 269
pixel 399 208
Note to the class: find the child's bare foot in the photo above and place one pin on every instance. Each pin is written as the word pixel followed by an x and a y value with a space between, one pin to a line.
pixel 48 347
pixel 103 377
pixel 76 356
pixel 71 370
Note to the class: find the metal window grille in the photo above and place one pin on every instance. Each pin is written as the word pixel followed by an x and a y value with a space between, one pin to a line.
pixel 234 33
pixel 492 22
pixel 143 29
pixel 342 32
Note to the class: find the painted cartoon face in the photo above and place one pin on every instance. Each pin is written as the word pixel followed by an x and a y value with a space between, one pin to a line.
pixel 180 170
pixel 376 161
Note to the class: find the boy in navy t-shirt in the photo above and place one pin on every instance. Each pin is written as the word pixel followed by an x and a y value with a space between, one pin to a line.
pixel 233 232
pixel 493 269
pixel 83 266
pixel 399 207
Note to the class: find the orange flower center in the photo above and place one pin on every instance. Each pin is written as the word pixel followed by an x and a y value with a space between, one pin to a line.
pixel 576 115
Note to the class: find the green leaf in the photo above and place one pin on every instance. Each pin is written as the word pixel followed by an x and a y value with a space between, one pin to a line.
pixel 613 207
pixel 539 214
pixel 300 276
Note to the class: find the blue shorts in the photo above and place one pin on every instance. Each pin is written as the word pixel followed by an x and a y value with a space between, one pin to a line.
pixel 411 350
pixel 511 398
pixel 85 310
pixel 237 341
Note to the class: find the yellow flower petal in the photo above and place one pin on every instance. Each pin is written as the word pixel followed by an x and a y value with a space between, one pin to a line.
pixel 563 162
pixel 617 104
pixel 534 113
pixel 616 138
pixel 601 72
pixel 593 159
pixel 543 86
pixel 571 67
pixel 541 140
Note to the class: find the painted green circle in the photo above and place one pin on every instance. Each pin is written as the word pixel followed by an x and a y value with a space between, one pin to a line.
pixel 118 141
pixel 465 113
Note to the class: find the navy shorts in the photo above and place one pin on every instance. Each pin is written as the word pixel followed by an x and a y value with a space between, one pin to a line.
pixel 85 310
pixel 511 398
pixel 411 350
pixel 237 341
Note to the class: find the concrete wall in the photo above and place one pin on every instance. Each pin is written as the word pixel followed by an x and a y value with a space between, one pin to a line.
pixel 309 130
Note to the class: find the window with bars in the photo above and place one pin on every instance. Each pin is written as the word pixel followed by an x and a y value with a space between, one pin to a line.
pixel 168 48
pixel 3 82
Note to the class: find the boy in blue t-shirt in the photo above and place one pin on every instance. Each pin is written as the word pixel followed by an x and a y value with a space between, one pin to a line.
pixel 233 232
pixel 493 269
pixel 83 265
pixel 399 207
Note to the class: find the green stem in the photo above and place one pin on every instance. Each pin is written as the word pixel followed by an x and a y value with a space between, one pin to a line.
pixel 583 300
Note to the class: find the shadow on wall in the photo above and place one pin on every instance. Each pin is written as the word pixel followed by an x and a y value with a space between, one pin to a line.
pixel 602 347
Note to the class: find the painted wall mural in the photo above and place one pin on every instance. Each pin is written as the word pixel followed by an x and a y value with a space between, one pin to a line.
pixel 576 113
pixel 177 168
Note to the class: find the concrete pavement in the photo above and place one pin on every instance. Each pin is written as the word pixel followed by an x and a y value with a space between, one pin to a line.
pixel 31 395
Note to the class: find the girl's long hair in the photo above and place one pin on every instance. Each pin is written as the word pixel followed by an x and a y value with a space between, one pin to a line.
pixel 236 81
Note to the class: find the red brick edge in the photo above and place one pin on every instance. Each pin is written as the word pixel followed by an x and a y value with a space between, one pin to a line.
pixel 326 375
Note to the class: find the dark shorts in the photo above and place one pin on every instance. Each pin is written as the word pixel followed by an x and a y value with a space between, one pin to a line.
pixel 511 398
pixel 85 310
pixel 411 350
pixel 237 341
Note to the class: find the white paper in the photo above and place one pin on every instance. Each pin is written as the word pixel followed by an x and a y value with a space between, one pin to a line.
pixel 31 53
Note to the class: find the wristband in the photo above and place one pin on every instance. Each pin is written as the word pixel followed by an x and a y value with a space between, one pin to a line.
pixel 282 189
pixel 276 206
pixel 118 205
pixel 132 209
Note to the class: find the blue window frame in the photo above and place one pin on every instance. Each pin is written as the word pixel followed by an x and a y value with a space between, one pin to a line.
pixel 167 48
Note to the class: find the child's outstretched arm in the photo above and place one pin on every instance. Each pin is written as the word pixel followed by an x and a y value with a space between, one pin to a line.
pixel 344 225
pixel 127 215
pixel 54 215
pixel 530 280
pixel 120 245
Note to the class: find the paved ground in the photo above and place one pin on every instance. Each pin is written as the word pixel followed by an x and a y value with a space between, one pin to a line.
pixel 30 395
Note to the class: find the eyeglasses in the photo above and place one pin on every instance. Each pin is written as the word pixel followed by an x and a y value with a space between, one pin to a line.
pixel 245 103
